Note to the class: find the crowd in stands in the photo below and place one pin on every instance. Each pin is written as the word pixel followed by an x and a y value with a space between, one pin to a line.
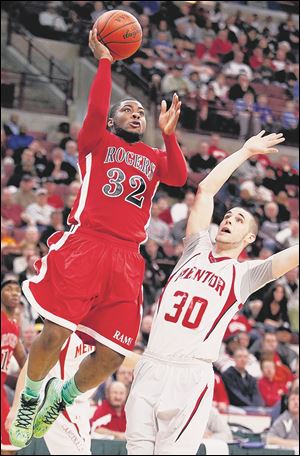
pixel 258 366
pixel 236 73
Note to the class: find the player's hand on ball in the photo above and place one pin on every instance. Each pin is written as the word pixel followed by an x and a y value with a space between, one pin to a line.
pixel 168 118
pixel 260 144
pixel 99 50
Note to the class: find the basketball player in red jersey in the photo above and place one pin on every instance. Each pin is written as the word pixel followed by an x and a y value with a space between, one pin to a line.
pixel 10 346
pixel 91 279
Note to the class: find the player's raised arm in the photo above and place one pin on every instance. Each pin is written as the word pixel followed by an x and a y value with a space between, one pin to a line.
pixel 99 98
pixel 202 210
pixel 284 261
pixel 173 169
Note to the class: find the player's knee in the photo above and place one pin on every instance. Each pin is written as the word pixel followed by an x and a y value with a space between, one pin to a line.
pixel 108 361
pixel 53 336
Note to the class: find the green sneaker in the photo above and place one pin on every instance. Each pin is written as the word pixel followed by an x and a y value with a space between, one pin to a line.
pixel 51 407
pixel 21 430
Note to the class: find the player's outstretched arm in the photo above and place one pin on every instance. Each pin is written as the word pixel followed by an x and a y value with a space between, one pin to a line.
pixel 201 212
pixel 173 169
pixel 284 261
pixel 99 98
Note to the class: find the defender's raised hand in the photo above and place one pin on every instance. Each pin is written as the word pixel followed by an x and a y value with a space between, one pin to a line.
pixel 168 118
pixel 99 50
pixel 260 144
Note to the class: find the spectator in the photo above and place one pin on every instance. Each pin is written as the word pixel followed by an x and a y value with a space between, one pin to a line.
pixel 7 170
pixel 29 333
pixel 290 282
pixel 158 230
pixel 237 66
pixel 174 82
pixel 221 45
pixel 257 59
pixel 270 389
pixel 12 127
pixel 220 87
pixel 202 160
pixel 284 337
pixel 274 310
pixel 285 430
pixel 179 211
pixel 248 119
pixel 25 194
pixel 39 212
pixel 54 199
pixel 10 211
pixel 109 418
pixel 60 170
pixel 214 147
pixel 21 140
pixel 220 399
pixel 239 89
pixel 51 19
pixel 265 113
pixel 289 236
pixel 27 166
pixel 205 50
pixel 125 375
pixel 146 328
pixel 71 153
pixel 216 428
pixel 98 11
pixel 241 386
pixel 290 122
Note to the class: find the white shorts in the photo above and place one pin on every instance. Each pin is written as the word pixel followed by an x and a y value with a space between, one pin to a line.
pixel 168 406
pixel 67 437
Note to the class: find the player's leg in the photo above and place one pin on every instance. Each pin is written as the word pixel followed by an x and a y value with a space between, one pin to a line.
pixel 66 437
pixel 141 426
pixel 43 356
pixel 6 446
pixel 182 422
pixel 93 370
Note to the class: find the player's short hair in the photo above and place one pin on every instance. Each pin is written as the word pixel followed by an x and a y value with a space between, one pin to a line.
pixel 116 106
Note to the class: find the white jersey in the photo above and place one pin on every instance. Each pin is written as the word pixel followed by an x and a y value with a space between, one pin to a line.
pixel 70 434
pixel 201 297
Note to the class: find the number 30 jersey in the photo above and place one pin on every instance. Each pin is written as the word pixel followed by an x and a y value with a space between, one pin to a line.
pixel 201 297
pixel 119 180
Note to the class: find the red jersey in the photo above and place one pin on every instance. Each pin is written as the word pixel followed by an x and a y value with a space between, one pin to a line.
pixel 9 339
pixel 119 179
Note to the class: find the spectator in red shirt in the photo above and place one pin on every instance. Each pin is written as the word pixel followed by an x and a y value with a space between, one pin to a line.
pixel 257 59
pixel 109 417
pixel 270 389
pixel 215 149
pixel 10 211
pixel 221 44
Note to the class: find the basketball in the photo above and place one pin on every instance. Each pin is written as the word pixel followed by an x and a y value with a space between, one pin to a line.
pixel 120 32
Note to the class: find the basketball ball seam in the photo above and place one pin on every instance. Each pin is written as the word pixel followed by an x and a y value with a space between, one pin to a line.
pixel 110 17
pixel 116 29
pixel 120 42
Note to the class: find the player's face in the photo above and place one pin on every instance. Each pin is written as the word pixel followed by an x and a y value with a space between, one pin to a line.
pixel 130 116
pixel 11 295
pixel 234 228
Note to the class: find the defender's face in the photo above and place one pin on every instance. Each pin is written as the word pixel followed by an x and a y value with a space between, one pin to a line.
pixel 130 116
pixel 234 227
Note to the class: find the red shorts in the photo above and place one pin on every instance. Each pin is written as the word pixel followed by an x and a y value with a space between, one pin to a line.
pixel 91 283
pixel 5 442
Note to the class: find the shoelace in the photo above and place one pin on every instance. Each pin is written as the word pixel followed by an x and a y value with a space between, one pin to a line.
pixel 26 412
pixel 53 412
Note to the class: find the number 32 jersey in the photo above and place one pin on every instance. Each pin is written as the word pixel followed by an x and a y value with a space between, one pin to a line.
pixel 119 180
pixel 201 297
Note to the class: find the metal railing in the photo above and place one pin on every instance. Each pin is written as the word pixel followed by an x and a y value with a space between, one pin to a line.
pixel 20 39
pixel 20 90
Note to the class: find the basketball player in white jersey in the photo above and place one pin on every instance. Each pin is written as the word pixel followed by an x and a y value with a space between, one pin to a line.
pixel 70 434
pixel 171 395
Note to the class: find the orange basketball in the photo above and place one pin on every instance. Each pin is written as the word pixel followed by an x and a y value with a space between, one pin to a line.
pixel 120 32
